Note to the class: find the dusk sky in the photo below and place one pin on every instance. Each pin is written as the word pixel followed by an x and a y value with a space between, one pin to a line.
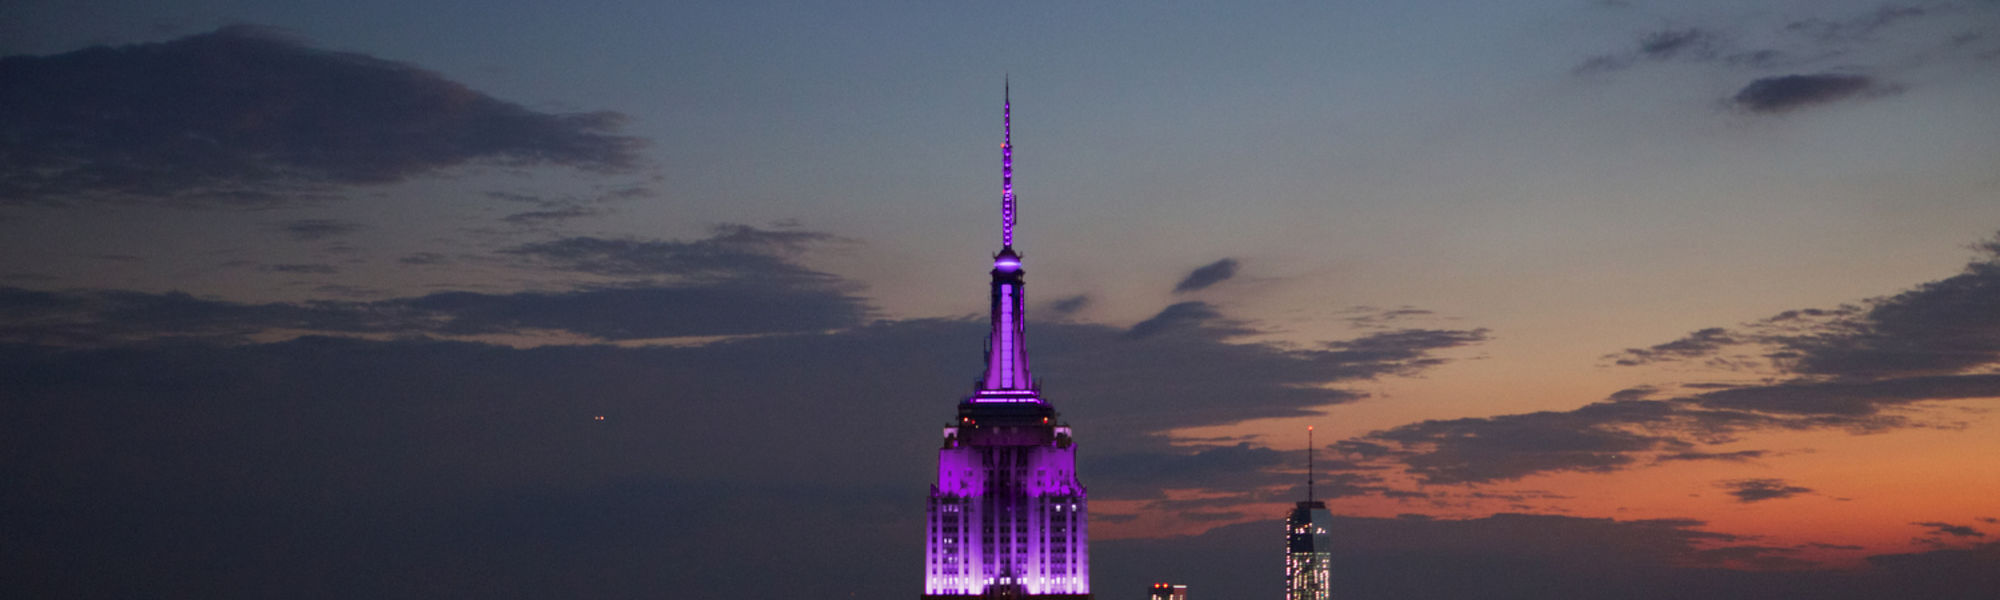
pixel 610 299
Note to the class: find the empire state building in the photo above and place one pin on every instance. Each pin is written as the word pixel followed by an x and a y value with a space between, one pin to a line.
pixel 1007 516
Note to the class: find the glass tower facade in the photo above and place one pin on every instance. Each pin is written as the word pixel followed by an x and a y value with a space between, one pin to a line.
pixel 1308 550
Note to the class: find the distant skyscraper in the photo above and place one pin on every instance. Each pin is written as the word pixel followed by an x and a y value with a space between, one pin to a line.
pixel 1308 546
pixel 1007 514
pixel 1168 591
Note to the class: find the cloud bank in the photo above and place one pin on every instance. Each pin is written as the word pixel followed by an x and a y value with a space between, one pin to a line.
pixel 244 115
pixel 1860 369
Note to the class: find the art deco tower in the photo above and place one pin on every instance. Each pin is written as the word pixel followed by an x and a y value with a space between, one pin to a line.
pixel 1007 514
pixel 1308 546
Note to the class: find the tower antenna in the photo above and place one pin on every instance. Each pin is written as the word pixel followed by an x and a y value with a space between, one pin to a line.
pixel 1007 163
pixel 1309 463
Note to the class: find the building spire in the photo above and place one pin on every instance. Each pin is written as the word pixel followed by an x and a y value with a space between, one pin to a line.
pixel 1309 463
pixel 1007 163
pixel 1007 378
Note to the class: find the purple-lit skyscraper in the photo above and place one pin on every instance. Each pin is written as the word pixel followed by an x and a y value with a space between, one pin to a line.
pixel 1007 515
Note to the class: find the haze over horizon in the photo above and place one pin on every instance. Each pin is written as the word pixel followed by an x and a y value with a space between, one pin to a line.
pixel 1586 299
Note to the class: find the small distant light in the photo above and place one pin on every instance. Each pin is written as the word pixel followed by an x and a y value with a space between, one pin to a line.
pixel 600 417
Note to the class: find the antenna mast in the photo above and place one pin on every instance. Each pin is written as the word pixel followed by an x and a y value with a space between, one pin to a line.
pixel 1007 164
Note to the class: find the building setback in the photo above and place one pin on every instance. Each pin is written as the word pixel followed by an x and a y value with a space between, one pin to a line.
pixel 1007 516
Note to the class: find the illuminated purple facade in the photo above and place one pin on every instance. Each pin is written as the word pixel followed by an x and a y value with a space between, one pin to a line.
pixel 1008 518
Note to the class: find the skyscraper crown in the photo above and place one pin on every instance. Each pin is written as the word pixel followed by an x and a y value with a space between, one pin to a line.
pixel 1007 376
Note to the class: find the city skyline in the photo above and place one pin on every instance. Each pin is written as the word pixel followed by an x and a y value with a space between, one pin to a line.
pixel 1610 298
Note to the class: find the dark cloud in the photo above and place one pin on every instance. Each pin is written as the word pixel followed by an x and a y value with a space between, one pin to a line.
pixel 347 291
pixel 1826 546
pixel 1687 43
pixel 1633 393
pixel 603 195
pixel 1070 305
pixel 1376 318
pixel 387 468
pixel 738 281
pixel 1938 528
pixel 732 253
pixel 1700 343
pixel 1199 365
pixel 1144 474
pixel 1860 369
pixel 246 115
pixel 1737 456
pixel 1758 490
pixel 1853 404
pixel 1754 557
pixel 1207 275
pixel 1603 63
pixel 1785 93
pixel 1938 328
pixel 1947 573
pixel 1212 516
pixel 1404 351
pixel 1192 315
pixel 98 317
pixel 1623 434
pixel 393 469
pixel 641 312
pixel 1591 439
pixel 424 258
pixel 95 318
pixel 309 230
pixel 553 210
pixel 1669 43
pixel 553 215
pixel 1206 370
pixel 1228 477
pixel 303 269
pixel 1875 35
pixel 1945 326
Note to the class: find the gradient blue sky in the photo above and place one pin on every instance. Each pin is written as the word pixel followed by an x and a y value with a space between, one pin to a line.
pixel 1523 190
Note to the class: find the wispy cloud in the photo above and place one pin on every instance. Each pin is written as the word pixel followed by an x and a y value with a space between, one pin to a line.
pixel 1785 93
pixel 1832 56
pixel 309 230
pixel 303 269
pixel 1758 490
pixel 1185 316
pixel 738 281
pixel 1941 528
pixel 1207 275
pixel 1070 305
pixel 1737 456
pixel 739 253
